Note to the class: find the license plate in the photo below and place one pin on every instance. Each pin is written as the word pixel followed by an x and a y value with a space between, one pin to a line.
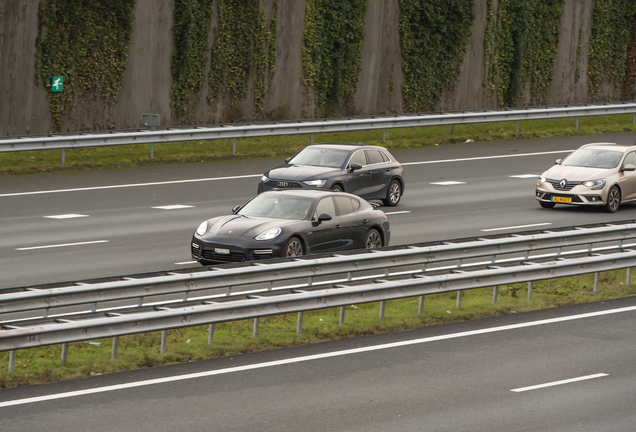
pixel 221 251
pixel 561 199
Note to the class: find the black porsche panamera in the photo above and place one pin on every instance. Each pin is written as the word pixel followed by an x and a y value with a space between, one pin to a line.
pixel 285 223
pixel 370 172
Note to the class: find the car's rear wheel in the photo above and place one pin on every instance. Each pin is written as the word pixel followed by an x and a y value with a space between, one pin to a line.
pixel 546 204
pixel 393 194
pixel 613 200
pixel 337 188
pixel 374 239
pixel 294 247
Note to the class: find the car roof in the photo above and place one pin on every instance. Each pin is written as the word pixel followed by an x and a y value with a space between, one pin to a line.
pixel 311 193
pixel 614 146
pixel 347 146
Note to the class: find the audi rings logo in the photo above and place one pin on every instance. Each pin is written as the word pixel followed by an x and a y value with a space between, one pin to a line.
pixel 563 184
pixel 282 184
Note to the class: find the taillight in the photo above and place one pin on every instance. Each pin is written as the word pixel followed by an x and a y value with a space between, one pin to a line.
pixel 384 215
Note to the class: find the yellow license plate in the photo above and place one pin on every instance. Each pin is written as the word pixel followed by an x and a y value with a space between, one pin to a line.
pixel 561 199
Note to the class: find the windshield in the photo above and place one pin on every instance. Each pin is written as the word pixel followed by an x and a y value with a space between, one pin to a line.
pixel 275 206
pixel 324 157
pixel 593 158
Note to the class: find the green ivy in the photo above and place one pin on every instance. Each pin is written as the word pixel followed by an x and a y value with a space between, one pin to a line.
pixel 332 53
pixel 434 37
pixel 192 19
pixel 611 46
pixel 244 44
pixel 86 42
pixel 521 44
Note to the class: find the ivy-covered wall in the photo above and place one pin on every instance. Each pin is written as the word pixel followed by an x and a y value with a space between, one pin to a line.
pixel 218 61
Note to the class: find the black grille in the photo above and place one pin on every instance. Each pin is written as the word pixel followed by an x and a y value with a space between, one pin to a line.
pixel 233 256
pixel 195 249
pixel 283 184
pixel 556 184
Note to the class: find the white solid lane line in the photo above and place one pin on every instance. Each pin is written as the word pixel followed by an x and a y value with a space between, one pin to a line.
pixel 448 183
pixel 66 216
pixel 516 227
pixel 186 262
pixel 312 357
pixel 260 175
pixel 62 245
pixel 525 176
pixel 555 383
pixel 485 157
pixel 397 212
pixel 173 207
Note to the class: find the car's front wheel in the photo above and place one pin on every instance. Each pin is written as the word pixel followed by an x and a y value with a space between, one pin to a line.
pixel 374 239
pixel 294 247
pixel 546 204
pixel 613 200
pixel 393 194
pixel 337 188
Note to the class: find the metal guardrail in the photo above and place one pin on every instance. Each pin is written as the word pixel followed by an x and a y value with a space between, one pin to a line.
pixel 96 139
pixel 522 250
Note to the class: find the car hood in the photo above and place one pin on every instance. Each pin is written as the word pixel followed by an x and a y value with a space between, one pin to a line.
pixel 242 227
pixel 301 172
pixel 572 173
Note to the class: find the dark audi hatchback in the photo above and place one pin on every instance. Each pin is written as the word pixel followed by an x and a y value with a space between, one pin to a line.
pixel 370 172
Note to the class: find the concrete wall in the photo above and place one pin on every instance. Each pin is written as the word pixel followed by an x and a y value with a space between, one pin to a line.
pixel 148 80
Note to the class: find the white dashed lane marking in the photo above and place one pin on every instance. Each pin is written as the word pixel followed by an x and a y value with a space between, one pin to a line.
pixel 66 216
pixel 555 383
pixel 173 207
pixel 62 245
pixel 186 263
pixel 448 183
pixel 516 227
pixel 397 212
pixel 525 176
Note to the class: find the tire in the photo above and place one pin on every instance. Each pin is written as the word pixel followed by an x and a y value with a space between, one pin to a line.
pixel 393 194
pixel 613 199
pixel 373 240
pixel 337 188
pixel 546 204
pixel 294 247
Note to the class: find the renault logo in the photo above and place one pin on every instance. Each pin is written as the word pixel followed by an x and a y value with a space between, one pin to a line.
pixel 282 184
pixel 563 183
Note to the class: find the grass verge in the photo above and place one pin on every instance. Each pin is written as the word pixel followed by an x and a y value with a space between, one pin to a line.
pixel 38 365
pixel 125 156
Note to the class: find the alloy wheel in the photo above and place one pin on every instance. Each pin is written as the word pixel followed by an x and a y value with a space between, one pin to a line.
pixel 294 248
pixel 373 240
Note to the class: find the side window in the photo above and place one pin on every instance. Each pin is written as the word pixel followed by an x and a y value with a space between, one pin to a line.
pixel 374 156
pixel 385 157
pixel 344 204
pixel 325 206
pixel 359 158
pixel 355 203
pixel 630 159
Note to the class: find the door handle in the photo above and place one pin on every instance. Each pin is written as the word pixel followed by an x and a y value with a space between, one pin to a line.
pixel 365 221
pixel 338 226
pixel 387 169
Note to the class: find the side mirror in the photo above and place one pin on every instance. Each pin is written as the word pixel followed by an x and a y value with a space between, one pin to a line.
pixel 236 208
pixel 558 161
pixel 323 217
pixel 355 166
pixel 629 167
pixel 287 160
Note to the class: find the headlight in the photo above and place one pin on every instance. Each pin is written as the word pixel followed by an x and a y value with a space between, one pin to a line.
pixel 542 179
pixel 268 235
pixel 264 179
pixel 317 183
pixel 202 228
pixel 595 184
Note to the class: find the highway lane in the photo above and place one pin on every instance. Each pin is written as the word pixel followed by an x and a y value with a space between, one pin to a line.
pixel 117 229
pixel 564 369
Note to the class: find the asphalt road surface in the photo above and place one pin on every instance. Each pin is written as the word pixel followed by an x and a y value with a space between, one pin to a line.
pixel 82 225
pixel 567 369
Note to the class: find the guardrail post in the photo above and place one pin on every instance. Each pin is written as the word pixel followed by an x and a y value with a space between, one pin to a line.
pixel 452 130
pixel 211 334
pixel 164 341
pixel 634 119
pixel 420 309
pixel 113 353
pixel 311 139
pixel 628 282
pixel 460 294
pixel 382 308
pixel 152 150
pixel 495 294
pixel 383 135
pixel 577 122
pixel 228 291
pixel 517 126
pixel 342 315
pixel 299 325
pixel 597 277
pixel 257 321
pixel 63 156
pixel 233 145
pixel 530 289
pixel 64 352
pixel 11 361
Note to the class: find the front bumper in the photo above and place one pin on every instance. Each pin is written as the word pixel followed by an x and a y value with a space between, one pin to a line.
pixel 214 252
pixel 577 196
